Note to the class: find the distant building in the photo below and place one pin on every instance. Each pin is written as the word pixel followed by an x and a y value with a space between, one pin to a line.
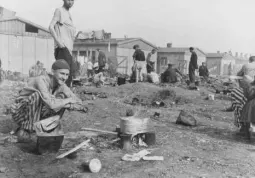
pixel 119 51
pixel 23 43
pixel 240 60
pixel 220 63
pixel 180 57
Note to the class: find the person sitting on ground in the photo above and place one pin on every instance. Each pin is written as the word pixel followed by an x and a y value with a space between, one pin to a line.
pixel 170 75
pixel 99 79
pixel 203 71
pixel 43 97
pixel 238 94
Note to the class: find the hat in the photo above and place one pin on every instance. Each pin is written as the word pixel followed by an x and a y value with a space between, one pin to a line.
pixel 60 64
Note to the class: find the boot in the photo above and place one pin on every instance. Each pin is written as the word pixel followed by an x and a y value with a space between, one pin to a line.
pixel 24 136
pixel 246 131
pixel 242 131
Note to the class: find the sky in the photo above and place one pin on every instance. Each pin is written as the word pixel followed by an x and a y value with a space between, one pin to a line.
pixel 212 25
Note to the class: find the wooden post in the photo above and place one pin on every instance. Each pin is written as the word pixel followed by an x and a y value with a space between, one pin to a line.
pixel 85 143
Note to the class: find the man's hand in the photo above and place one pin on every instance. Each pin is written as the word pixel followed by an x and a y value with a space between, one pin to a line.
pixel 71 100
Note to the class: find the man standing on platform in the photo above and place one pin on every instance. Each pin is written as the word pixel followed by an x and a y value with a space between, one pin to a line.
pixel 63 32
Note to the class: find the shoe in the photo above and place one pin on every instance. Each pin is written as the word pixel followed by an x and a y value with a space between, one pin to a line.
pixel 24 136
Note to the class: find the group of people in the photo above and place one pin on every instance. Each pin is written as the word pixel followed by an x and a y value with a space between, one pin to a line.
pixel 140 63
pixel 173 74
pixel 97 67
pixel 49 95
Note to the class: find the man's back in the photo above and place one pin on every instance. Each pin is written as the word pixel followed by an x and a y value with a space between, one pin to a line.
pixel 101 58
pixel 139 55
pixel 170 75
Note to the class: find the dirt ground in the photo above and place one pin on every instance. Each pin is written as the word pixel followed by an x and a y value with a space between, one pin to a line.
pixel 212 149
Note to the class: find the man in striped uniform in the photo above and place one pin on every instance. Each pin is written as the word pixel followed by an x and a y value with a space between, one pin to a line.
pixel 45 96
pixel 239 95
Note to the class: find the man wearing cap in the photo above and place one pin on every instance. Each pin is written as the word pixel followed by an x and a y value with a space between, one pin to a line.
pixel 63 32
pixel 44 96
pixel 192 65
pixel 139 62
pixel 170 75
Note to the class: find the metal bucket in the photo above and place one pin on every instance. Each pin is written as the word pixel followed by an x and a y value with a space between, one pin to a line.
pixel 49 144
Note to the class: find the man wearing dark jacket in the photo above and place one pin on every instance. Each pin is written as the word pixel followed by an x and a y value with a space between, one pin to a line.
pixel 170 75
pixel 203 71
pixel 192 65
pixel 101 60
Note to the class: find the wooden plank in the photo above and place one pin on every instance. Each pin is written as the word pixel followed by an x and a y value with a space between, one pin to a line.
pixel 102 131
pixel 74 149
pixel 122 61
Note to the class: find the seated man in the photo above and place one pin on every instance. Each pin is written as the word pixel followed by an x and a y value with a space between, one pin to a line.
pixel 203 71
pixel 99 79
pixel 170 75
pixel 38 101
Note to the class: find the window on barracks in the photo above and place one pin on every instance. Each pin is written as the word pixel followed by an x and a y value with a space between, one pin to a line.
pixel 166 62
pixel 31 29
pixel 163 61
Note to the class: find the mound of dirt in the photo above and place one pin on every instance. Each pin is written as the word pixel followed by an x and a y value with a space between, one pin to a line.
pixel 160 98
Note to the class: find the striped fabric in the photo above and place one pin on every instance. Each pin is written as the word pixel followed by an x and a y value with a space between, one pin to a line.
pixel 238 102
pixel 27 110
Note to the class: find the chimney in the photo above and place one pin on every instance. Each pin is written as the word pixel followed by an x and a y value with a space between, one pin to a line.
pixel 236 54
pixel 218 52
pixel 107 36
pixel 5 13
pixel 169 45
pixel 241 55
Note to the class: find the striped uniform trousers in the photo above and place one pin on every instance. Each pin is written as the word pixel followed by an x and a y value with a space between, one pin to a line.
pixel 238 102
pixel 27 110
